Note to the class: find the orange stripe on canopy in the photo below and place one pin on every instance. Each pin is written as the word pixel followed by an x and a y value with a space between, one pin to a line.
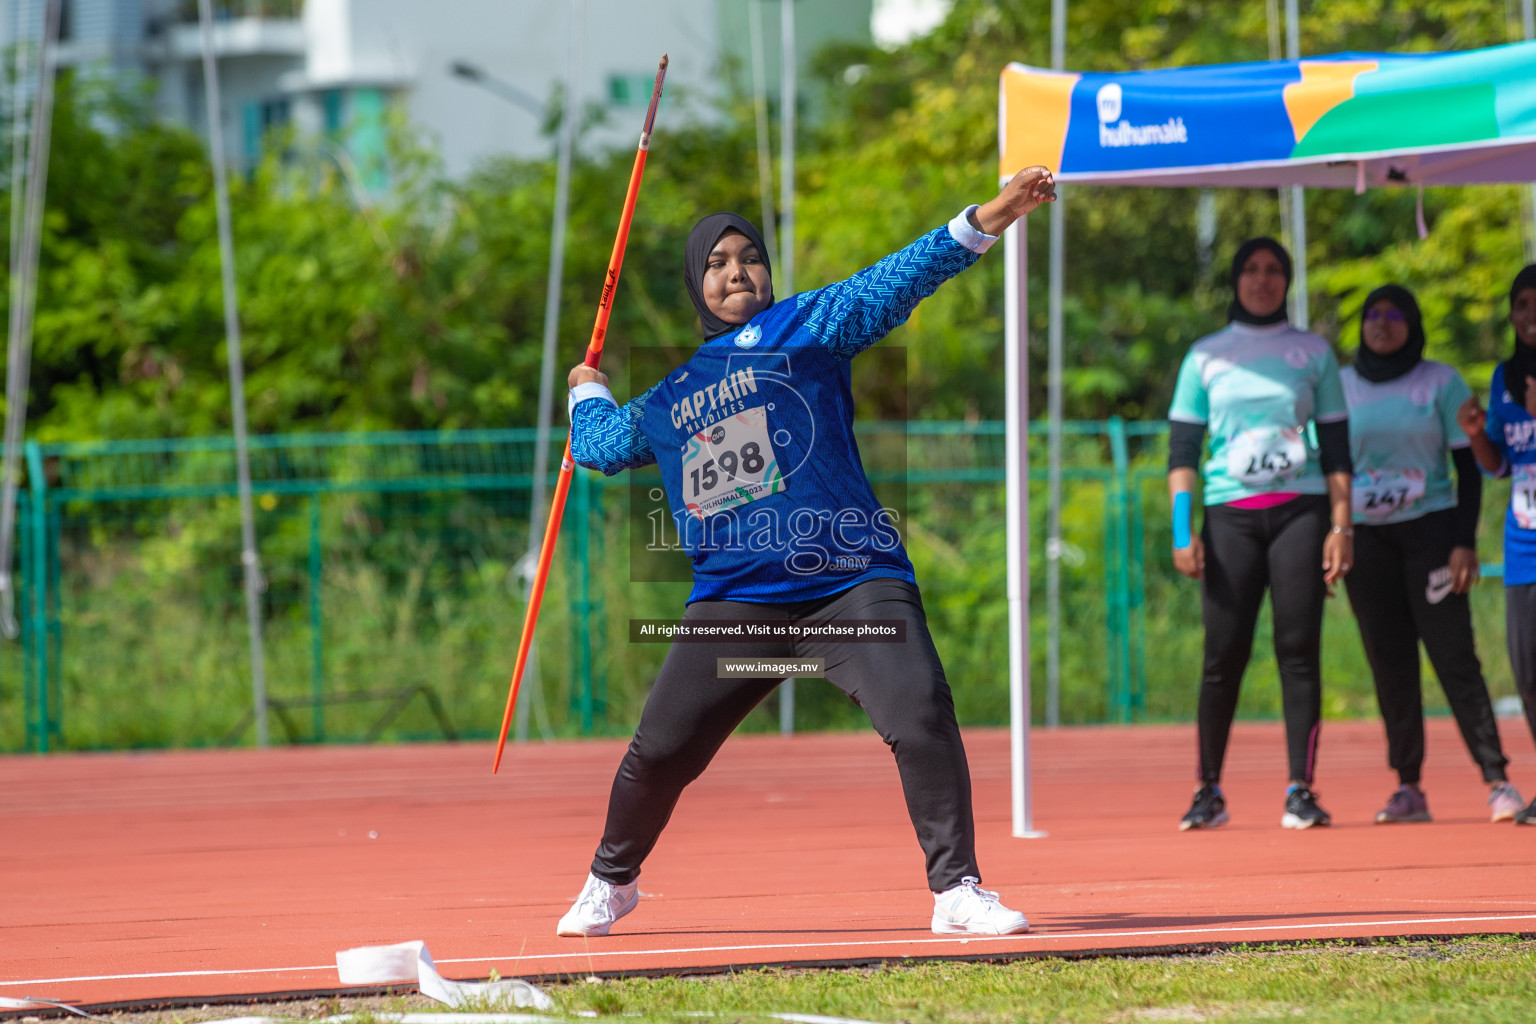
pixel 1037 105
pixel 1323 86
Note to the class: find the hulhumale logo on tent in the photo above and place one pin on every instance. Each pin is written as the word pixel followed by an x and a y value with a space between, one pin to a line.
pixel 1115 132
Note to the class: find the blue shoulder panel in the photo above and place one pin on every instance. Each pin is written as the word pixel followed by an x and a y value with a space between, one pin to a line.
pixel 849 316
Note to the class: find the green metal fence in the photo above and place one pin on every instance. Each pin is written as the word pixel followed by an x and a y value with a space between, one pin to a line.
pixel 393 600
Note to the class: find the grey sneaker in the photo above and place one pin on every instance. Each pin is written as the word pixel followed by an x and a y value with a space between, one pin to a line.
pixel 1302 810
pixel 1208 810
pixel 1527 816
pixel 1407 804
pixel 598 907
pixel 1505 802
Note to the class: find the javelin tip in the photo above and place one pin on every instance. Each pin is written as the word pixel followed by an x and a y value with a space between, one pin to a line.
pixel 650 112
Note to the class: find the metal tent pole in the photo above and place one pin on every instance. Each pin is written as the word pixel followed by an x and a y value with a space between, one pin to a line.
pixel 19 127
pixel 568 118
pixel 18 369
pixel 760 113
pixel 1276 51
pixel 1300 313
pixel 787 237
pixel 1054 412
pixel 1528 25
pixel 1016 439
pixel 248 553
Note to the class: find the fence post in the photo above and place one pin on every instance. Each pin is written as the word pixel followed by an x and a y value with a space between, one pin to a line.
pixel 1120 626
pixel 599 606
pixel 52 618
pixel 1112 683
pixel 583 583
pixel 37 487
pixel 316 636
pixel 28 641
pixel 1138 598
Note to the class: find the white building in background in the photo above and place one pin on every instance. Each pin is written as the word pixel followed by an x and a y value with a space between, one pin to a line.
pixel 336 67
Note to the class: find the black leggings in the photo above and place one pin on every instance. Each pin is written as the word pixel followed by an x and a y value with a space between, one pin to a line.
pixel 1520 635
pixel 1400 589
pixel 901 686
pixel 1247 550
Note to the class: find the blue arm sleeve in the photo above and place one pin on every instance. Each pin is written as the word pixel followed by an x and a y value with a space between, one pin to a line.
pixel 849 316
pixel 607 437
pixel 1181 505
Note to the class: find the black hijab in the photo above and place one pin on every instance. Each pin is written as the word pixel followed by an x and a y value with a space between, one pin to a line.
pixel 1378 368
pixel 701 242
pixel 1521 366
pixel 1236 311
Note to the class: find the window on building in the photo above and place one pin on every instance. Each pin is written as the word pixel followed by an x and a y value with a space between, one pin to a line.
pixel 630 90
pixel 331 107
pixel 262 117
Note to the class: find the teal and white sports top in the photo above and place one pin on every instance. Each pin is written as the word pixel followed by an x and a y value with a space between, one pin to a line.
pixel 1399 433
pixel 1256 389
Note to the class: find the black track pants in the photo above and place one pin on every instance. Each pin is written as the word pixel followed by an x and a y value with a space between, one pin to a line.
pixel 1520 634
pixel 1247 551
pixel 690 712
pixel 1400 589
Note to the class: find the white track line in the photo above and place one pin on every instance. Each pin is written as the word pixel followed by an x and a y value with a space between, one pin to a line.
pixel 586 954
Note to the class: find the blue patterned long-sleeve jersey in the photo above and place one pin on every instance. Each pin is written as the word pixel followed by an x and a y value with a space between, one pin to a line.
pixel 754 435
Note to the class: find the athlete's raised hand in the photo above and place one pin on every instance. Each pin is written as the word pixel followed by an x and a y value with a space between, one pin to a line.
pixel 581 373
pixel 1023 193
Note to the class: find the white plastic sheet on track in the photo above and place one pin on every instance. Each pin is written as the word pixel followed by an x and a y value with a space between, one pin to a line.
pixel 410 963
pixel 24 1004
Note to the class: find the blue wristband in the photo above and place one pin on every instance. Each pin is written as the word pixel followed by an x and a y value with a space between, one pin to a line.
pixel 1181 505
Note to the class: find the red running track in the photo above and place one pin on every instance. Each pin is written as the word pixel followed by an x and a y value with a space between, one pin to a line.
pixel 166 875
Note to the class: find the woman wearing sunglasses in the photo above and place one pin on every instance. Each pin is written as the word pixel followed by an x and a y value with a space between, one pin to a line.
pixel 1415 547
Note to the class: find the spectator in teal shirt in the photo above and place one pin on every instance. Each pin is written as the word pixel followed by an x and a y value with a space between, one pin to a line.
pixel 1416 547
pixel 1276 515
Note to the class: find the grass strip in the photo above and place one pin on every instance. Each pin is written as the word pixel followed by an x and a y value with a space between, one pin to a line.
pixel 1466 981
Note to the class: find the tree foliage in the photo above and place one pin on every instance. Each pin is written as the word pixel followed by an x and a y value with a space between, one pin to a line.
pixel 423 308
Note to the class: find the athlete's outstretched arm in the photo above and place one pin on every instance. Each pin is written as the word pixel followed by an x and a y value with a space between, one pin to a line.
pixel 849 316
pixel 604 435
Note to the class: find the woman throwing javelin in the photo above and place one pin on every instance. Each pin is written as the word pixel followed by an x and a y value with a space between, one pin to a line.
pixel 1416 547
pixel 754 438
pixel 1277 514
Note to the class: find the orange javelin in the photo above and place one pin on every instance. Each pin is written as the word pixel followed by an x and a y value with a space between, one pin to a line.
pixel 594 356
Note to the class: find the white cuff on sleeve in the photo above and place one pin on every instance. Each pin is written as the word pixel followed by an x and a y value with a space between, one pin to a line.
pixel 581 392
pixel 973 238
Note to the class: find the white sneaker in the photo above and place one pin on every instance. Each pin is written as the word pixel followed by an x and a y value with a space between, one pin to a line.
pixel 599 905
pixel 1505 802
pixel 968 909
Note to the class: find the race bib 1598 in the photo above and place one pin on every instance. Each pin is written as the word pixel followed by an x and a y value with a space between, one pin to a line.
pixel 730 463
pixel 1381 494
pixel 1522 496
pixel 1266 455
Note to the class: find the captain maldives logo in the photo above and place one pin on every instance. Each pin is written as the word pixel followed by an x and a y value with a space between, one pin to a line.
pixel 1115 132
